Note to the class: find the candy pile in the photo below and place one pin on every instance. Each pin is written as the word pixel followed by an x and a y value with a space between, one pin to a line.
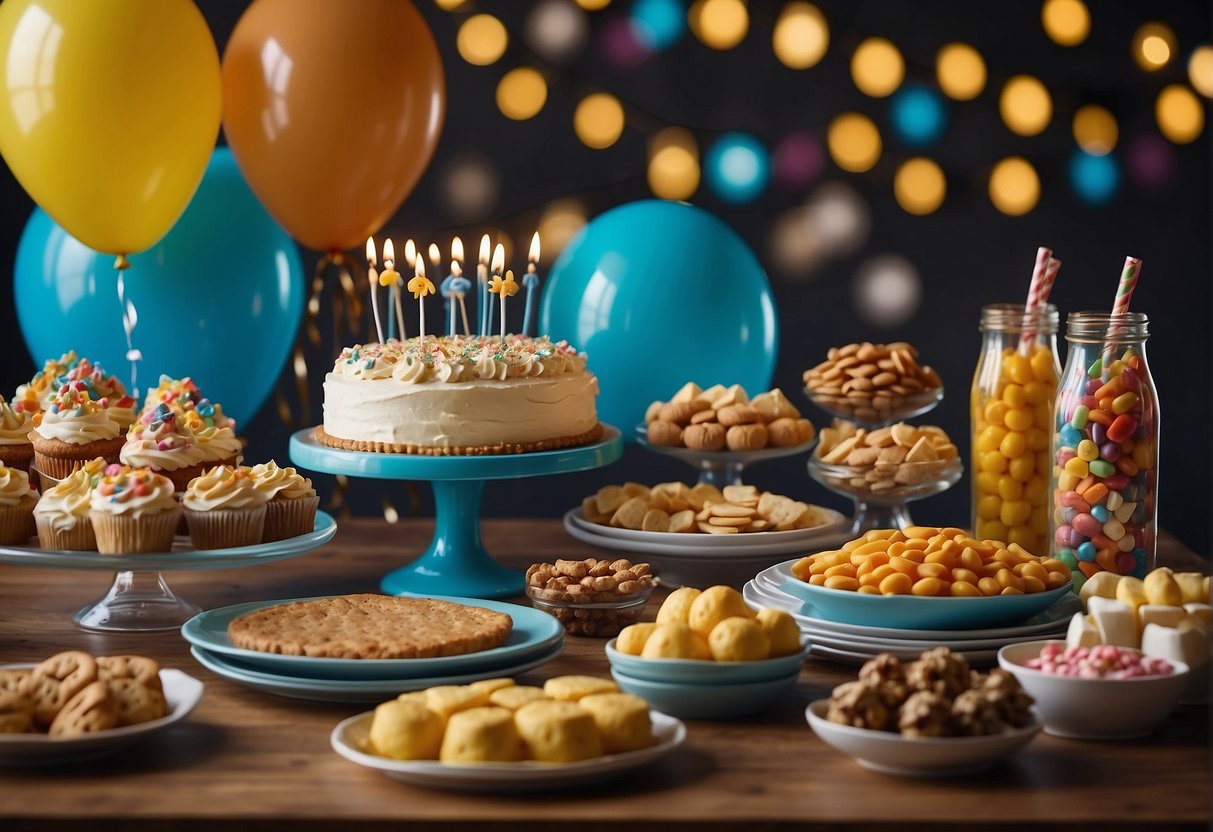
pixel 1104 661
pixel 1105 471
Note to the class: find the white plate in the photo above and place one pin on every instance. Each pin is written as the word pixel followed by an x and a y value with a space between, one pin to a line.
pixel 181 692
pixel 891 753
pixel 351 690
pixel 696 542
pixel 860 654
pixel 349 737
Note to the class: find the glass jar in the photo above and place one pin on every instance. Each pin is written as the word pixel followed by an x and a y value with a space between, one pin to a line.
pixel 1011 409
pixel 1105 449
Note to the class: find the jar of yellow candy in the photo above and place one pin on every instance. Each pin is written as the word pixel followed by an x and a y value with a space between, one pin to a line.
pixel 1011 407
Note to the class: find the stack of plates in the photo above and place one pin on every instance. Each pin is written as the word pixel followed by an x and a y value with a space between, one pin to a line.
pixel 856 643
pixel 705 559
pixel 536 638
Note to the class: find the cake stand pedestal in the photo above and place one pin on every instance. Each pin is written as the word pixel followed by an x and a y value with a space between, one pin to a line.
pixel 455 562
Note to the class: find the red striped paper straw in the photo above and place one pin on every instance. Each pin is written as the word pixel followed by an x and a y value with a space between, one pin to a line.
pixel 1120 307
pixel 1043 275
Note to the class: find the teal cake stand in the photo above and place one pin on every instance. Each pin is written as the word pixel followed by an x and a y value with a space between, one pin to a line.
pixel 456 562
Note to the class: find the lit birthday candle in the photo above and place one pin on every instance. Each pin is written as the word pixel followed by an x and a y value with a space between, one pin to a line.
pixel 391 277
pixel 531 281
pixel 455 287
pixel 503 288
pixel 482 278
pixel 420 286
pixel 373 280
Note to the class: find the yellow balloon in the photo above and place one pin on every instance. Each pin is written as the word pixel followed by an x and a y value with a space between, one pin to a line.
pixel 108 113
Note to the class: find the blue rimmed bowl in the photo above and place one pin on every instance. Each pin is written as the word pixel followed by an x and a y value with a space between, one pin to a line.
pixel 706 701
pixel 705 672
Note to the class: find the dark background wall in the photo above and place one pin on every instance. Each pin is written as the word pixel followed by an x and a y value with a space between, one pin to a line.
pixel 966 254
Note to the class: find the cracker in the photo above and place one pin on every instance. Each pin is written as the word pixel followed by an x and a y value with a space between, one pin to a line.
pixel 91 710
pixel 741 494
pixel 630 515
pixel 710 529
pixel 371 627
pixel 136 702
pixel 682 521
pixel 57 680
pixel 655 520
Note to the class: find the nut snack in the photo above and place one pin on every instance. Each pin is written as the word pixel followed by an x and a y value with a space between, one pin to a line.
pixel 937 695
pixel 370 627
pixel 590 597
pixel 924 560
pixel 676 507
pixel 871 382
pixel 571 718
pixel 721 418
pixel 887 457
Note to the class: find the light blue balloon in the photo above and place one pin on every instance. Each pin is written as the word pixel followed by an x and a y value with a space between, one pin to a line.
pixel 657 294
pixel 738 168
pixel 1095 179
pixel 918 114
pixel 218 299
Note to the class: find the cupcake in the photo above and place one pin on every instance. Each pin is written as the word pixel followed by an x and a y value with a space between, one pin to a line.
pixel 102 387
pixel 72 431
pixel 133 511
pixel 219 445
pixel 62 513
pixel 223 509
pixel 161 442
pixel 37 394
pixel 183 396
pixel 291 509
pixel 16 449
pixel 17 501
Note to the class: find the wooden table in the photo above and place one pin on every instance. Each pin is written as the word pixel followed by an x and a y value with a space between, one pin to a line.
pixel 250 759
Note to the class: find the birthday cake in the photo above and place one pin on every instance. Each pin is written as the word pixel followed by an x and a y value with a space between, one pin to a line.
pixel 460 395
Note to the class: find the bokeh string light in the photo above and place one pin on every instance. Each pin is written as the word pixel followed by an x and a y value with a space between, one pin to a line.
pixel 1066 22
pixel 960 71
pixel 1153 46
pixel 877 67
pixel 801 35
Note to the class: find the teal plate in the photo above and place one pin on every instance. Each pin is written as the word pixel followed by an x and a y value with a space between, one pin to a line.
pixel 688 701
pixel 704 672
pixel 534 632
pixel 354 690
pixel 912 612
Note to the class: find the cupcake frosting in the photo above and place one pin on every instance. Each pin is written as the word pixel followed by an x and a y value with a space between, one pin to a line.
pixel 223 488
pixel 216 443
pixel 67 503
pixel 132 491
pixel 160 440
pixel 281 483
pixel 75 418
pixel 41 388
pixel 182 395
pixel 15 426
pixel 14 486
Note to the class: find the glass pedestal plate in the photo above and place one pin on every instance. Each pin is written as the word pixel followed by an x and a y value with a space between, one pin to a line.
pixel 455 562
pixel 721 468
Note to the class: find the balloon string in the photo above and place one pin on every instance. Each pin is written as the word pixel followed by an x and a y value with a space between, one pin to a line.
pixel 130 317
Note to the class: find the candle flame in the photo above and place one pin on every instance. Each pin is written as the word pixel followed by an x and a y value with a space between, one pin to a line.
pixel 389 251
pixel 419 266
pixel 370 250
pixel 484 250
pixel 410 251
pixel 456 249
pixel 435 255
pixel 498 259
pixel 534 253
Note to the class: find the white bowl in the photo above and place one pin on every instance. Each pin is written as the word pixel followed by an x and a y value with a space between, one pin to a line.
pixel 891 753
pixel 1094 709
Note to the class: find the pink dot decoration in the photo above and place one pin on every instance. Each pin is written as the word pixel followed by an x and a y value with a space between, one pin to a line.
pixel 1151 162
pixel 620 45
pixel 798 161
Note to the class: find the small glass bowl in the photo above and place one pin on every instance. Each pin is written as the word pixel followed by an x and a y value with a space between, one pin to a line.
pixel 864 413
pixel 594 619
pixel 886 507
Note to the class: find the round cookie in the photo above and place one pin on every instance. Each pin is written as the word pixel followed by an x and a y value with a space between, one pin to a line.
pixel 58 680
pixel 140 668
pixel 137 702
pixel 91 710
pixel 14 680
pixel 16 712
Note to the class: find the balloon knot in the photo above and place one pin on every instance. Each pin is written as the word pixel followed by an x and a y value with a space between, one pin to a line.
pixel 121 263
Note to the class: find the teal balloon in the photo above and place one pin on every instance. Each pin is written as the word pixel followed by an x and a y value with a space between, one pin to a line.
pixel 657 294
pixel 218 299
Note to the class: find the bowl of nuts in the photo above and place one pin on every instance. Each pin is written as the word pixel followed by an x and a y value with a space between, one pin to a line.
pixel 591 597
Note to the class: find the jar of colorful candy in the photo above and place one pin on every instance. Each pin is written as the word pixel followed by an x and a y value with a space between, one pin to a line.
pixel 1105 449
pixel 1011 404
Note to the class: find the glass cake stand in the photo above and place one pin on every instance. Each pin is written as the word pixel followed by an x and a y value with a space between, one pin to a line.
pixel 455 562
pixel 721 468
pixel 139 599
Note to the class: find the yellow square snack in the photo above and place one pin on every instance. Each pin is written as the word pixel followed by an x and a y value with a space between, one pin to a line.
pixel 449 699
pixel 622 720
pixel 482 735
pixel 558 732
pixel 572 688
pixel 517 696
pixel 406 730
pixel 490 685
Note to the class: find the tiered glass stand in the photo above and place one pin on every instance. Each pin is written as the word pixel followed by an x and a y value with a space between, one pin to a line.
pixel 721 468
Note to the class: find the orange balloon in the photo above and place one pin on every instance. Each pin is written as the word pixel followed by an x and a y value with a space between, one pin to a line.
pixel 332 110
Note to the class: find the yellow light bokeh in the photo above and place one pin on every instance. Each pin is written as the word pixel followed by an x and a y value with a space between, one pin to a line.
pixel 801 35
pixel 1154 45
pixel 1179 113
pixel 560 222
pixel 1014 186
pixel 720 24
pixel 920 186
pixel 482 39
pixel 449 5
pixel 1200 70
pixel 854 142
pixel 1025 105
pixel 521 93
pixel 961 71
pixel 598 120
pixel 673 164
pixel 1066 22
pixel 1095 130
pixel 877 67
pixel 593 5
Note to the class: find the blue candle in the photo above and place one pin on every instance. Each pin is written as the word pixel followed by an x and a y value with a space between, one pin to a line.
pixel 531 281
